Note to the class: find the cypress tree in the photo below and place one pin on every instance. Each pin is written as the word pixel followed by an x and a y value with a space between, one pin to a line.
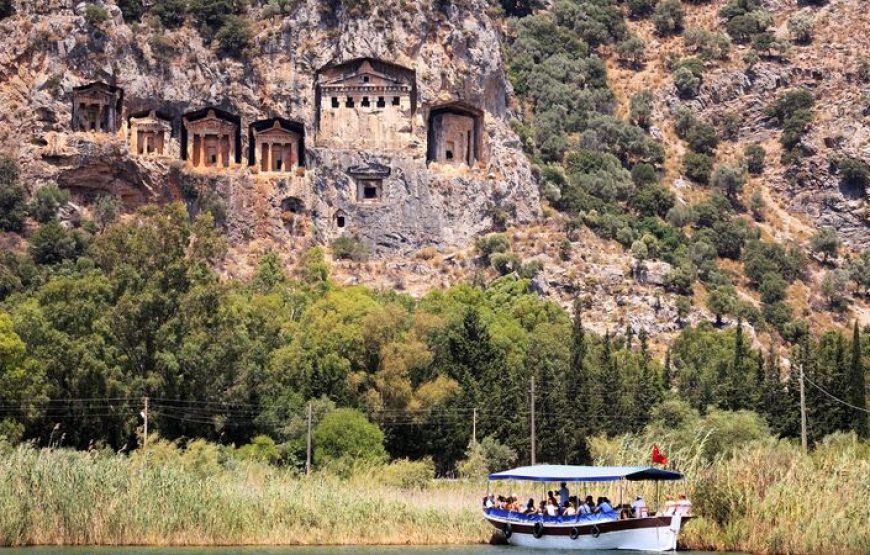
pixel 580 391
pixel 611 391
pixel 857 384
pixel 648 390
pixel 667 378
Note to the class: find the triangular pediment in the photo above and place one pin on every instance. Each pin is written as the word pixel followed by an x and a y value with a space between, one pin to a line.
pixel 372 170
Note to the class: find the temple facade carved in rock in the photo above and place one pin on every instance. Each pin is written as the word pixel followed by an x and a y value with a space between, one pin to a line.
pixel 211 138
pixel 96 107
pixel 150 133
pixel 276 145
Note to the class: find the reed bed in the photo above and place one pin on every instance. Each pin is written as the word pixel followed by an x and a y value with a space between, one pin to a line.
pixel 768 498
pixel 60 497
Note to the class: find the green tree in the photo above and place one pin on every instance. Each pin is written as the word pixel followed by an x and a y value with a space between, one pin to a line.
pixel 754 154
pixel 235 35
pixel 13 207
pixel 47 202
pixel 721 301
pixel 857 384
pixel 580 388
pixel 729 180
pixel 859 270
pixel 346 434
pixel 668 17
pixel 52 244
pixel 171 13
pixel 800 25
pixel 825 241
pixel 96 15
pixel 698 167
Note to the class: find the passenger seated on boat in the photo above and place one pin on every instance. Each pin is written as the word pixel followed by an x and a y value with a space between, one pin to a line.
pixel 585 507
pixel 542 508
pixel 670 505
pixel 639 508
pixel 569 509
pixel 500 502
pixel 530 507
pixel 604 506
pixel 684 506
pixel 551 508
pixel 515 505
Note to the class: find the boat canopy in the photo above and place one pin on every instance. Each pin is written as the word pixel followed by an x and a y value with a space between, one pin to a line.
pixel 567 473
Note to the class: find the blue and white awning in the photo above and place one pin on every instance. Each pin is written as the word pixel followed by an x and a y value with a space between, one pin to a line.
pixel 567 473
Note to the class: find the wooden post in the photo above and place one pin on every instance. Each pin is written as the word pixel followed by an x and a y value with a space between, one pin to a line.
pixel 532 420
pixel 308 446
pixel 803 412
pixel 145 417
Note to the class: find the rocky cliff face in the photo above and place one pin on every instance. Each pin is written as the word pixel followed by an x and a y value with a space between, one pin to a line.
pixel 48 48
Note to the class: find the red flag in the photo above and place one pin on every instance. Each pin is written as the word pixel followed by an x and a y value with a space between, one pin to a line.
pixel 657 457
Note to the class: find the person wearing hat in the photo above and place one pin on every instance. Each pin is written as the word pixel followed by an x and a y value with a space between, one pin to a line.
pixel 639 508
pixel 670 505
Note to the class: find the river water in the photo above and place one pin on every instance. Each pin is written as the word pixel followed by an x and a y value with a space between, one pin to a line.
pixel 344 550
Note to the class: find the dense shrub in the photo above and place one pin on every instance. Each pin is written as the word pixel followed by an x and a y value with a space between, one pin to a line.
pixel 854 173
pixel 668 17
pixel 13 204
pixel 520 8
pixel 760 258
pixel 96 15
pixel 640 108
pixel 772 288
pixel 52 244
pixel 596 22
pixel 345 434
pixel 492 244
pixel 754 154
pixel 504 262
pixel 800 26
pixel 652 200
pixel 707 45
pixel 792 110
pixel 640 8
pixel 698 167
pixel 211 15
pixel 744 19
pixel 729 180
pixel 701 136
pixel 235 35
pixel 47 202
pixel 170 13
pixel 347 247
pixel 825 241
pixel 688 84
pixel 632 51
pixel 643 174
pixel 132 10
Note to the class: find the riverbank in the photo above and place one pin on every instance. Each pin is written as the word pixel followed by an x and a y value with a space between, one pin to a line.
pixel 771 499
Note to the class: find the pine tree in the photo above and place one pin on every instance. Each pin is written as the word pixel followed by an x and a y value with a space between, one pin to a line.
pixel 667 378
pixel 857 385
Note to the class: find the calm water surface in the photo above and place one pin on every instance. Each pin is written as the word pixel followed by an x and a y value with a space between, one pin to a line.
pixel 350 550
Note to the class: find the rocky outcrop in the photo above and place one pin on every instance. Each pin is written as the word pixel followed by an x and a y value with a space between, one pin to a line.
pixel 48 48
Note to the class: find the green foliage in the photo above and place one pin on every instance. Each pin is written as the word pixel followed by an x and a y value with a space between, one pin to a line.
pixel 641 8
pixel 262 449
pixel 170 13
pixel 52 243
pixel 106 210
pixel 632 51
pixel 825 241
pixel 486 456
pixel 349 247
pixel 504 262
pixel 706 44
pixel 408 474
pixel 96 15
pixel 668 17
pixel 235 34
pixel 519 8
pixel 754 154
pixel 701 136
pixel 13 207
pixel 792 110
pixel 800 25
pixel 854 173
pixel 859 270
pixel 653 200
pixel 276 8
pixel 493 243
pixel 132 10
pixel 698 167
pixel 48 199
pixel 212 15
pixel 760 258
pixel 729 180
pixel 688 84
pixel 346 434
pixel 834 288
pixel 640 108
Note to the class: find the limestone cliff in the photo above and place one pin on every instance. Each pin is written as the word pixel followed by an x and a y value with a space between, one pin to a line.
pixel 453 52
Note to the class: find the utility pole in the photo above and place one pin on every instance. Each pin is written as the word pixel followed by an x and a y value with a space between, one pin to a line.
pixel 474 426
pixel 803 412
pixel 145 417
pixel 532 422
pixel 308 446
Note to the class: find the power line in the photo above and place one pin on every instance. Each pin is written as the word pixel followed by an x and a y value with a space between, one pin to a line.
pixel 834 397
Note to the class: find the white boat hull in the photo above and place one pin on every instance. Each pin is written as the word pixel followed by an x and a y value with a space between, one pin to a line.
pixel 639 534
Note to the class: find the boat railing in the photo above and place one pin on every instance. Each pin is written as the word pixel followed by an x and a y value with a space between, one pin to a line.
pixel 536 517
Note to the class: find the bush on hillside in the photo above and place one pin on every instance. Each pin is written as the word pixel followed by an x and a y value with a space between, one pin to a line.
pixel 349 247
pixel 668 17
pixel 698 167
